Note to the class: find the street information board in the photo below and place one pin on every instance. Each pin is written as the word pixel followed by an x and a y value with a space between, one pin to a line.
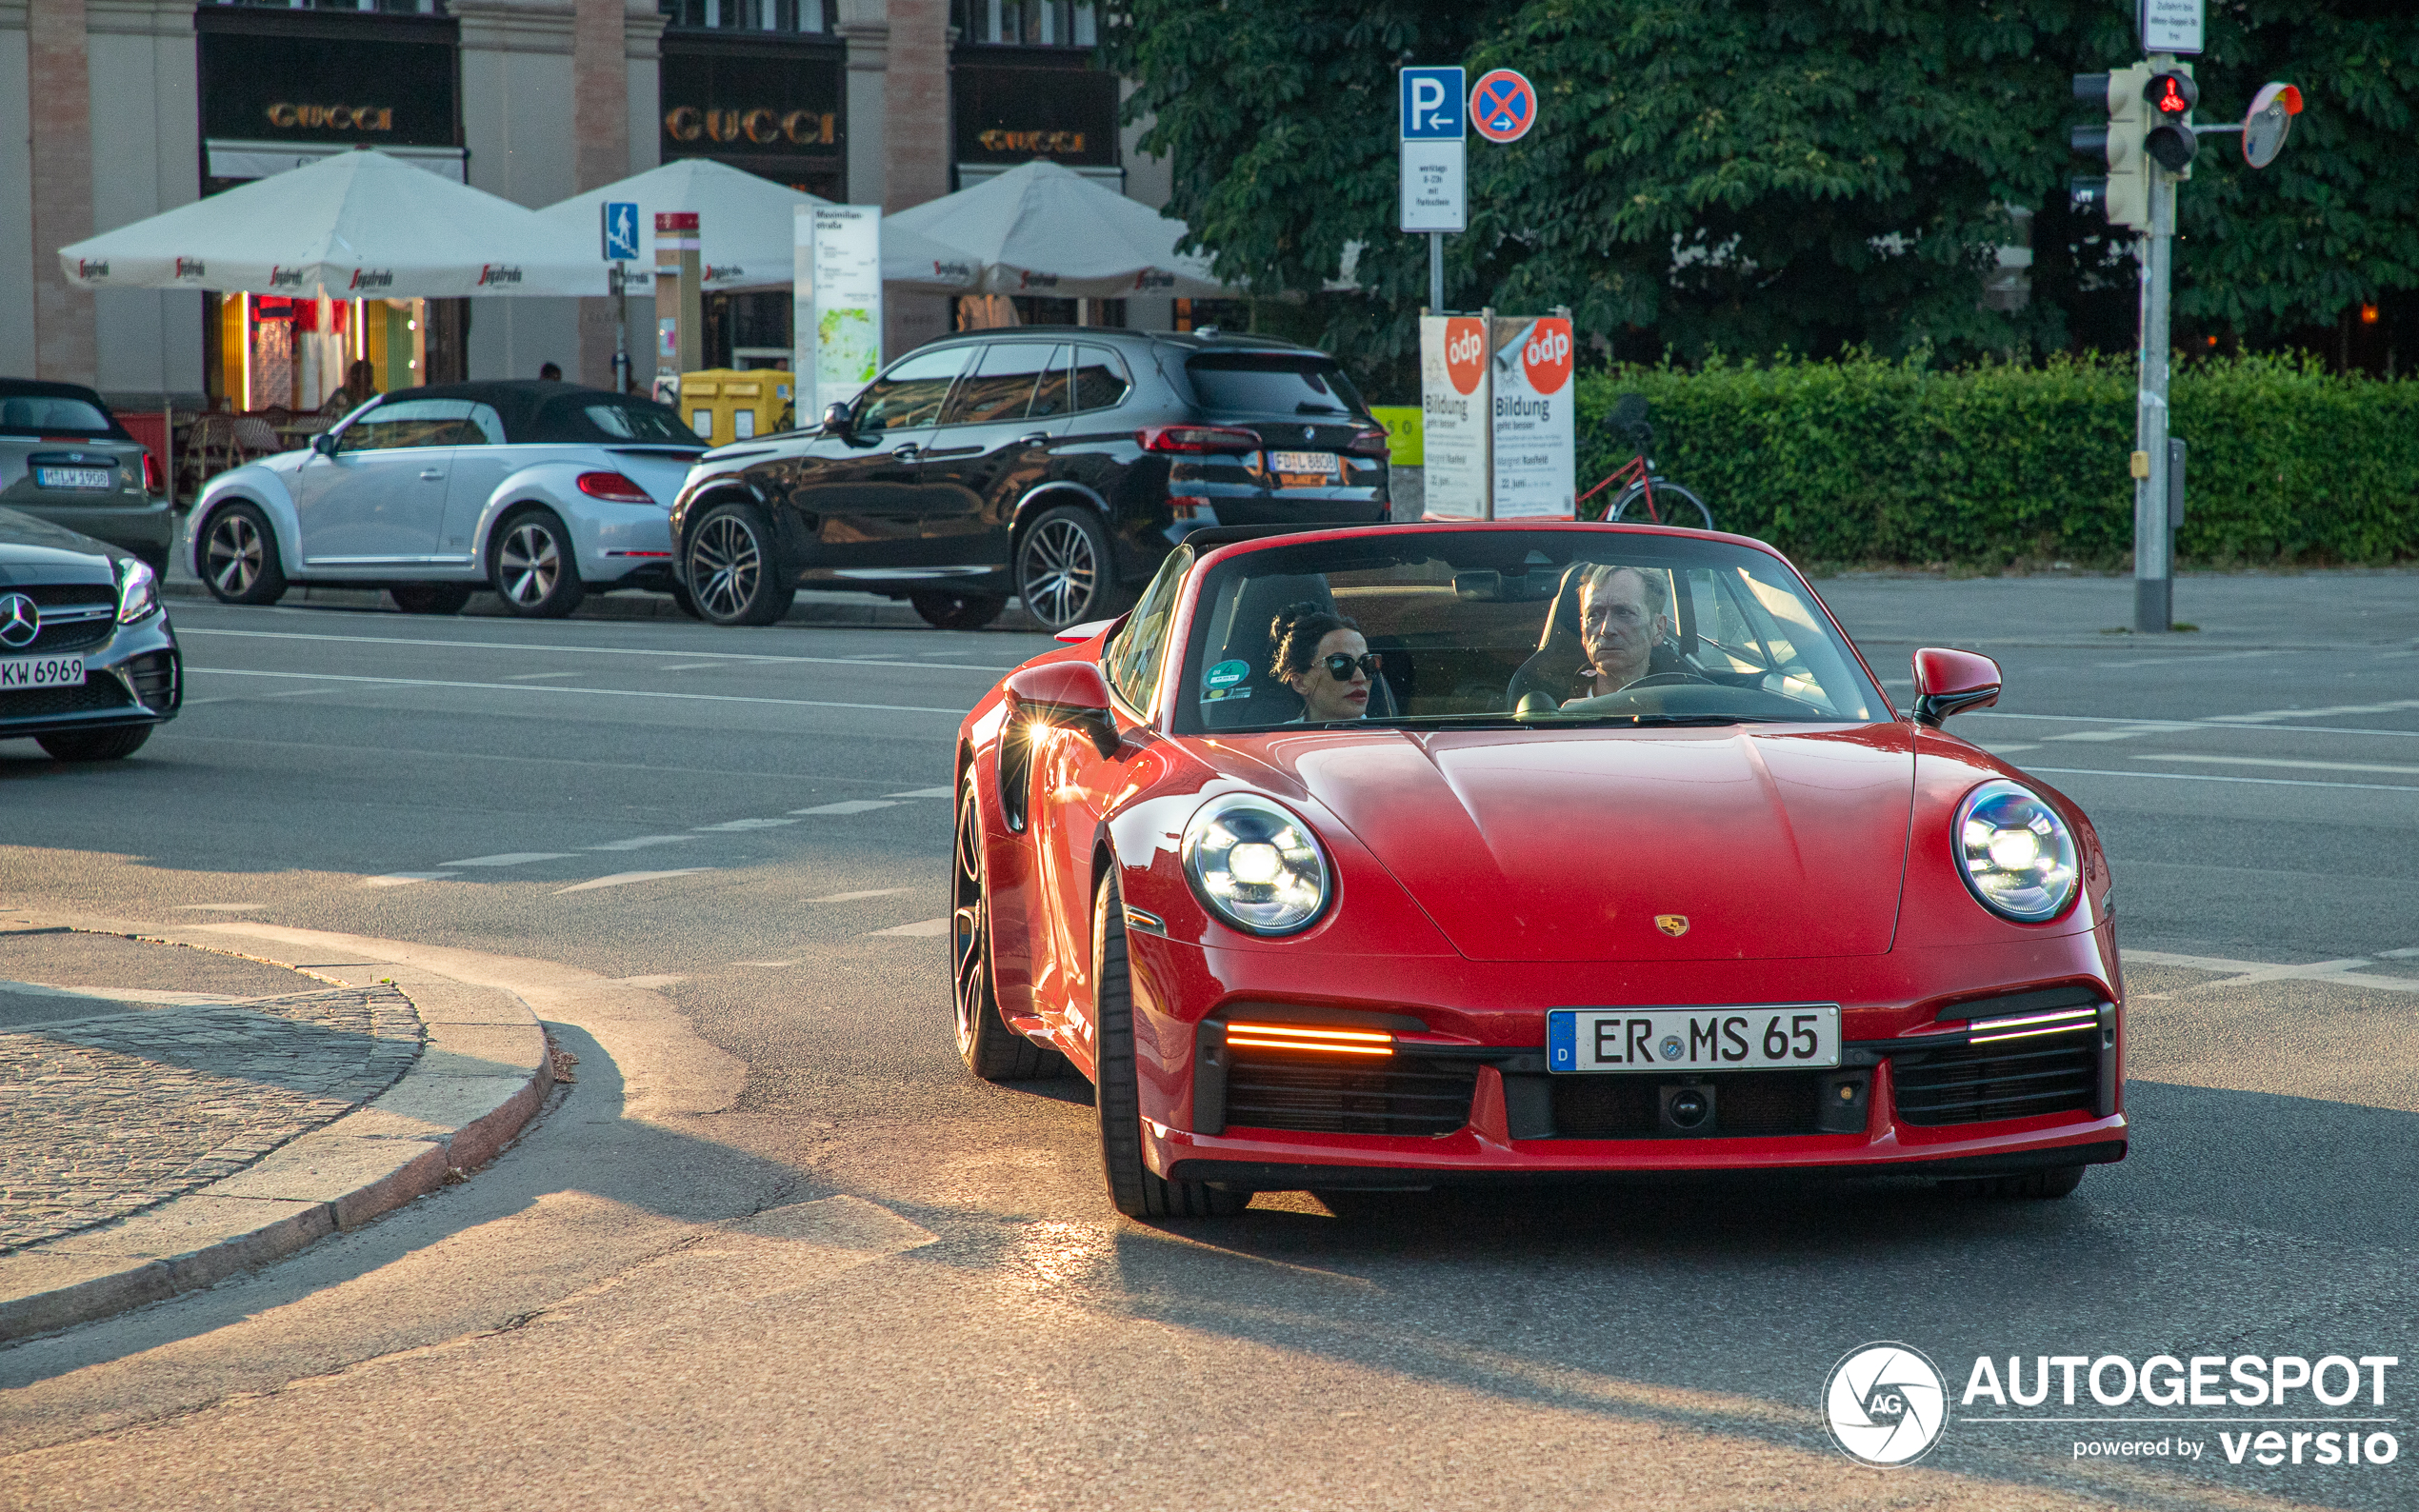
pixel 1434 184
pixel 2171 26
pixel 1453 403
pixel 1534 407
pixel 836 305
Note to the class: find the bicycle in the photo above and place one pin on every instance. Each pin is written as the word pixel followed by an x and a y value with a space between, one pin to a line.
pixel 1628 420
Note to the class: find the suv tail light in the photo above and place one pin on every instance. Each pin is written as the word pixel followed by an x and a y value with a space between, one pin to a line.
pixel 1196 439
pixel 1368 440
pixel 613 487
pixel 151 472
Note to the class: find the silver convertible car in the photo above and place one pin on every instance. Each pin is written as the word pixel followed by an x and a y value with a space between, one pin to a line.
pixel 544 491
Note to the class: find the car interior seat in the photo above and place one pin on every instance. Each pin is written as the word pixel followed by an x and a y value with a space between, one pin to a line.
pixel 1239 632
pixel 1554 668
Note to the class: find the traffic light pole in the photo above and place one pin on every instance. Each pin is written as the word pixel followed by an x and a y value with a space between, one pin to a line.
pixel 2154 538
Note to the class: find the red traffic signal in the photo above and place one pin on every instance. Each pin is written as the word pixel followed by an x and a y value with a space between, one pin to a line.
pixel 2172 94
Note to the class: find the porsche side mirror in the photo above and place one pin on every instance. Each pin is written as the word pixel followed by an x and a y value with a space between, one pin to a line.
pixel 324 443
pixel 835 419
pixel 1951 681
pixel 1070 695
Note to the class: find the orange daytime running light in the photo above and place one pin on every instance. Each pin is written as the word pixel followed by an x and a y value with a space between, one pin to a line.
pixel 1298 1037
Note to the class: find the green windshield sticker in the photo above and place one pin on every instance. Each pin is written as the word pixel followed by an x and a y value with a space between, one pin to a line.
pixel 1225 674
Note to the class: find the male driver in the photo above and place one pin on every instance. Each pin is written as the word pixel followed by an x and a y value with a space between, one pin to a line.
pixel 1623 614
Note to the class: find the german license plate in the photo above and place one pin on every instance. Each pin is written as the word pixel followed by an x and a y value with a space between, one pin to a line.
pixel 74 478
pixel 1296 470
pixel 40 671
pixel 1785 1035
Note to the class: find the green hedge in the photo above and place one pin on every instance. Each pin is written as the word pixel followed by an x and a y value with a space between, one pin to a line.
pixel 1863 461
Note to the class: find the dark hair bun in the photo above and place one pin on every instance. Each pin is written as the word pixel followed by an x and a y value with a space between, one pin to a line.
pixel 1297 630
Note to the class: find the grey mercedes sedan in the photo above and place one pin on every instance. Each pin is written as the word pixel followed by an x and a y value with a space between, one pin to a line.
pixel 88 663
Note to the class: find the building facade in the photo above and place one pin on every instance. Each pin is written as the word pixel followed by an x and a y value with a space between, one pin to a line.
pixel 112 110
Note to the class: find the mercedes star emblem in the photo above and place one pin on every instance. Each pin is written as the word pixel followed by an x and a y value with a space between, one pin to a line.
pixel 20 622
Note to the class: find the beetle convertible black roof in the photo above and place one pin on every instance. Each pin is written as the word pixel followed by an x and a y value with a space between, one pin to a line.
pixel 531 410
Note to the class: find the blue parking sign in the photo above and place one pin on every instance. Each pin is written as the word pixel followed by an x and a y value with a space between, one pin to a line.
pixel 621 230
pixel 1432 105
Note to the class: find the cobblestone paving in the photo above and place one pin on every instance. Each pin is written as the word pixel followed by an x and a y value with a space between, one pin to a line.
pixel 107 1116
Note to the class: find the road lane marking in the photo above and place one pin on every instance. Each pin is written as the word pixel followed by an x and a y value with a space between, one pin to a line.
pixel 2212 777
pixel 404 879
pixel 925 793
pixel 578 692
pixel 2395 707
pixel 512 858
pixel 851 897
pixel 2242 973
pixel 848 806
pixel 187 633
pixel 767 964
pixel 689 666
pixel 2190 724
pixel 2186 657
pixel 921 929
pixel 533 677
pixel 2283 761
pixel 2128 732
pixel 737 825
pixel 623 879
pixel 223 907
pixel 641 841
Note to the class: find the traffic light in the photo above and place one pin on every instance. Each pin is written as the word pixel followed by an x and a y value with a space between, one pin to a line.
pixel 2170 96
pixel 2124 194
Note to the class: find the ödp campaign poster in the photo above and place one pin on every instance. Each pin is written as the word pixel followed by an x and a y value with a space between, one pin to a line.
pixel 1454 394
pixel 1535 442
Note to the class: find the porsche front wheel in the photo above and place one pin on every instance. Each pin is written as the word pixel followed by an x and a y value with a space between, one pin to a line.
pixel 1136 1191
pixel 989 1048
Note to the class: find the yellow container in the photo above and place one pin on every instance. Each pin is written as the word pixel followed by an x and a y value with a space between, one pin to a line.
pixel 1406 436
pixel 724 405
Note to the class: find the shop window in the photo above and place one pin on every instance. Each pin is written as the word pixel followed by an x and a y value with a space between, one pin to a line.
pixel 751 16
pixel 1030 23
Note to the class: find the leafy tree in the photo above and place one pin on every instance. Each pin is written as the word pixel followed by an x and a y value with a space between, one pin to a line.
pixel 1758 175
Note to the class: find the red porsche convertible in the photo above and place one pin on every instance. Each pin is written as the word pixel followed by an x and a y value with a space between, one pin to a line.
pixel 1408 856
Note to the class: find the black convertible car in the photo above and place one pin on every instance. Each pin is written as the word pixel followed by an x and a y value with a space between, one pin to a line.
pixel 88 663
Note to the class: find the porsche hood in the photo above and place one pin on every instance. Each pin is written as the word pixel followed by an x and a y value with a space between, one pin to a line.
pixel 1737 843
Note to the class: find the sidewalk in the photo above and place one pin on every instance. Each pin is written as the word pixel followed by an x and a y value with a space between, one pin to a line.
pixel 170 1114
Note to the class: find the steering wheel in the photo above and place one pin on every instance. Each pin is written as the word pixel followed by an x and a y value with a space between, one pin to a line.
pixel 1665 680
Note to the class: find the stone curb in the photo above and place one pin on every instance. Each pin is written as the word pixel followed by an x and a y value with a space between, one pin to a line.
pixel 484 1070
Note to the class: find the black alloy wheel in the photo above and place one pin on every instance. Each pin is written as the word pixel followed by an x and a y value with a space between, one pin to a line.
pixel 1136 1191
pixel 958 611
pixel 431 598
pixel 730 569
pixel 239 556
pixel 532 564
pixel 95 745
pixel 1063 568
pixel 989 1048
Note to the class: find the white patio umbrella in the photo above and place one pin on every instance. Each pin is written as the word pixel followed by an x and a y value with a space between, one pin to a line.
pixel 1044 229
pixel 743 223
pixel 353 225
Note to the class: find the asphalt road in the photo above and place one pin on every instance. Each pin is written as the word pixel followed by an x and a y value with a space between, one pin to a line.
pixel 774 1248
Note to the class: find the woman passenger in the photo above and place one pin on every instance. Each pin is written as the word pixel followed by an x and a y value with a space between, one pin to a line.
pixel 1322 656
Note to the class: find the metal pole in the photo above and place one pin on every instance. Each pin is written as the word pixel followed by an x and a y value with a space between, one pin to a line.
pixel 2153 540
pixel 1436 271
pixel 617 281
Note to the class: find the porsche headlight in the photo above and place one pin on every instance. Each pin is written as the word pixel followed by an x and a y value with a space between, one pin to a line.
pixel 2018 857
pixel 1255 865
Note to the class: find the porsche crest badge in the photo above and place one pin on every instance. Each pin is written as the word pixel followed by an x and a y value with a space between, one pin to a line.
pixel 1675 925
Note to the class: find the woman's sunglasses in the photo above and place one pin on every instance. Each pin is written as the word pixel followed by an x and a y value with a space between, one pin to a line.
pixel 1340 665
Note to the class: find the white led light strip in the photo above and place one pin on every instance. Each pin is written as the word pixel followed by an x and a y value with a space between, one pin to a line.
pixel 2066 1021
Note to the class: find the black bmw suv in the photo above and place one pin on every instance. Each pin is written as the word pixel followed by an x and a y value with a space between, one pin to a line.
pixel 1056 463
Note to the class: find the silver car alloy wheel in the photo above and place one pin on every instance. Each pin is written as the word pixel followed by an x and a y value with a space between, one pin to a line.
pixel 232 554
pixel 723 567
pixel 1060 569
pixel 531 561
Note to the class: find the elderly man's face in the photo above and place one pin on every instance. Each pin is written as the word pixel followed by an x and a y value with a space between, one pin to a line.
pixel 1616 626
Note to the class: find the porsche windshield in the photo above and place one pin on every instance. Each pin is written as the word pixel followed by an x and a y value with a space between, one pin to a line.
pixel 1544 627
